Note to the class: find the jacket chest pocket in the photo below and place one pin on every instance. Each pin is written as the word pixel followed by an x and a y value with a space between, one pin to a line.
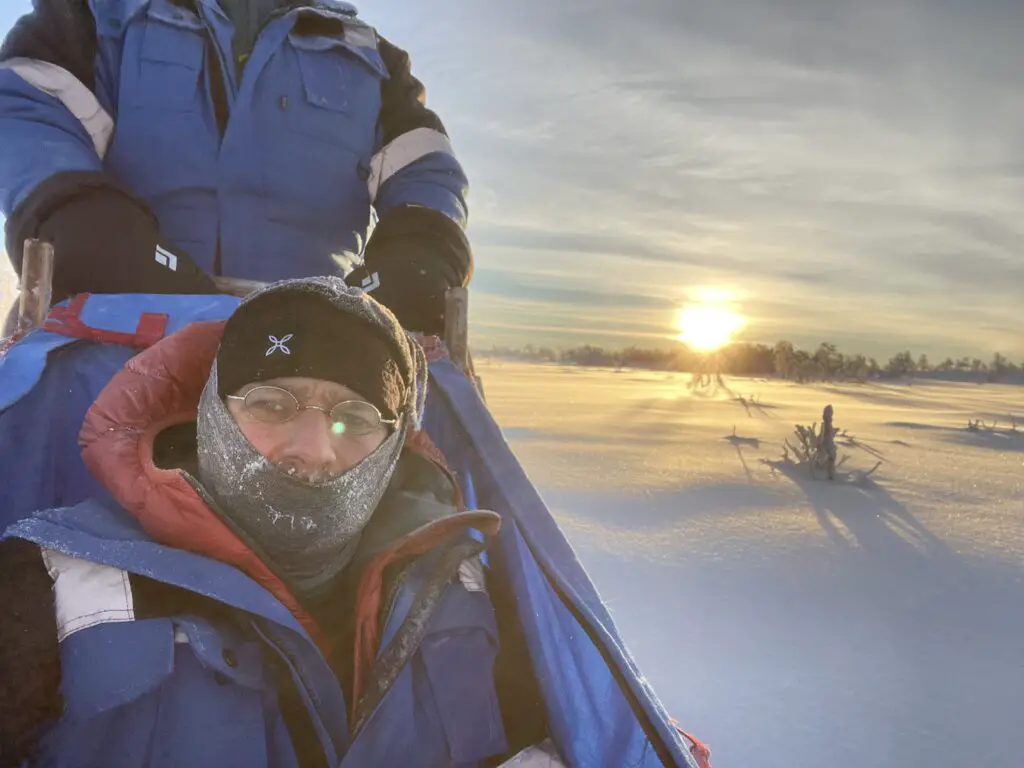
pixel 339 97
pixel 110 665
pixel 458 659
pixel 164 75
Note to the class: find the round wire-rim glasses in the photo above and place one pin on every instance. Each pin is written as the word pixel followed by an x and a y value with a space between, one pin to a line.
pixel 276 405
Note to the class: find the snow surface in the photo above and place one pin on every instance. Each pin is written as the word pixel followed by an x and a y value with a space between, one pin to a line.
pixel 785 621
pixel 8 286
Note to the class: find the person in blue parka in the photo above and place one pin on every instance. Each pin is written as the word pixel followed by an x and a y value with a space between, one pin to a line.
pixel 286 577
pixel 157 143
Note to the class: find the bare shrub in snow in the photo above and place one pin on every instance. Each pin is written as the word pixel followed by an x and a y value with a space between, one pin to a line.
pixel 708 376
pixel 752 402
pixel 979 425
pixel 817 451
pixel 738 440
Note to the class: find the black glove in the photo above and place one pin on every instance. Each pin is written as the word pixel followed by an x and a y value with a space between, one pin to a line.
pixel 414 256
pixel 105 241
pixel 414 292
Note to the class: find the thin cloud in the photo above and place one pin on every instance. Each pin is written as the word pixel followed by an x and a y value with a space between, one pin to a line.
pixel 859 152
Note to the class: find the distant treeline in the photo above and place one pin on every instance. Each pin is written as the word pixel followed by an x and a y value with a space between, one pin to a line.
pixel 785 360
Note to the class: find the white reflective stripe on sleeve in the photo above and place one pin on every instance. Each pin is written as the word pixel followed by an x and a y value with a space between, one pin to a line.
pixel 403 151
pixel 471 574
pixel 79 100
pixel 361 36
pixel 87 594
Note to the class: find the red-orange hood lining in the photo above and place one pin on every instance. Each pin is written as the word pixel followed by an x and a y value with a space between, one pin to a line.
pixel 161 387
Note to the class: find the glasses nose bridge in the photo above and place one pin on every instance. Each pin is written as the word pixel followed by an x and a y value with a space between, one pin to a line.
pixel 325 411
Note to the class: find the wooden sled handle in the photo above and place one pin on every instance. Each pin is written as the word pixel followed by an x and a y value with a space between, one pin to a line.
pixel 456 327
pixel 36 289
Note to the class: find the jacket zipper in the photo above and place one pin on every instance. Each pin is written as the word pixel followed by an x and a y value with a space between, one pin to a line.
pixel 221 113
pixel 220 85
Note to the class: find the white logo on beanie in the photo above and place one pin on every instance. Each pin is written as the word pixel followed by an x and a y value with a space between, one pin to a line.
pixel 370 283
pixel 276 344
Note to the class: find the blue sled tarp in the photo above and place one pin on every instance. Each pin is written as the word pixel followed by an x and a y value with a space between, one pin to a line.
pixel 599 709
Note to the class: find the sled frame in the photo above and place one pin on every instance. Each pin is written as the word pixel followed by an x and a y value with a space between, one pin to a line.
pixel 35 294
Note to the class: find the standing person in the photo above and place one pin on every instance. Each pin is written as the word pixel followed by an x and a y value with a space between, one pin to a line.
pixel 284 582
pixel 158 142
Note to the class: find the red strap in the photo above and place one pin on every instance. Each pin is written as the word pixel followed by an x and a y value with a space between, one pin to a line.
pixel 700 751
pixel 433 347
pixel 67 321
pixel 10 341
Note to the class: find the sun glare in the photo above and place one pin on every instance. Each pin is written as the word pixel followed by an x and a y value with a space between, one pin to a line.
pixel 707 326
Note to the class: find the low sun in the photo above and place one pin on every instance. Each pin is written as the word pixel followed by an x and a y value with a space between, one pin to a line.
pixel 706 326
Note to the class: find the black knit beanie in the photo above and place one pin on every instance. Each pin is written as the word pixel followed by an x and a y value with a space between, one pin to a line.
pixel 298 333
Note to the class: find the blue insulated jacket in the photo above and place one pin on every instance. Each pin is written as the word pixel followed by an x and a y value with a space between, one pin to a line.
pixel 266 168
pixel 185 689
pixel 180 646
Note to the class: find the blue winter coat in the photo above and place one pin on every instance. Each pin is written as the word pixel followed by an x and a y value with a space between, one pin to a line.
pixel 185 690
pixel 179 646
pixel 263 171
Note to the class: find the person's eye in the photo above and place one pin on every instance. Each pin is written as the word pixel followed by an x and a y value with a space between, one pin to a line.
pixel 354 419
pixel 356 425
pixel 268 406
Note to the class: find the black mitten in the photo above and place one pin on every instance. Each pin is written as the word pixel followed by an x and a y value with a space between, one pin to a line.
pixel 106 242
pixel 414 256
pixel 412 289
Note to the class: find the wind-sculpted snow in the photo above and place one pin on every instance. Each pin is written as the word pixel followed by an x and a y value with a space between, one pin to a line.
pixel 788 621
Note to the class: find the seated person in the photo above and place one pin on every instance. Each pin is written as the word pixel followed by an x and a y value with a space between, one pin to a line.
pixel 285 581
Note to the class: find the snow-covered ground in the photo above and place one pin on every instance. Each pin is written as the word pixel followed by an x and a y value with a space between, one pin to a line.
pixel 8 286
pixel 790 622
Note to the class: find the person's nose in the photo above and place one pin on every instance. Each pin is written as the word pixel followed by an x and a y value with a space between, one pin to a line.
pixel 312 446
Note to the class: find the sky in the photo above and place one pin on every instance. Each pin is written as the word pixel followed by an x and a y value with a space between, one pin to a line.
pixel 839 171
